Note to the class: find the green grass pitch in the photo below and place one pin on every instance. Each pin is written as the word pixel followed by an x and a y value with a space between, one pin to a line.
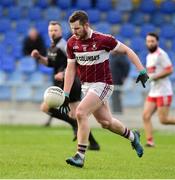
pixel 38 152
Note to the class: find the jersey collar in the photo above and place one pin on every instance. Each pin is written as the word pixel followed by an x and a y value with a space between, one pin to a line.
pixel 90 33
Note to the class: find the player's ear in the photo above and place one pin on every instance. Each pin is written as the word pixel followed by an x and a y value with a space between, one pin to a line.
pixel 86 25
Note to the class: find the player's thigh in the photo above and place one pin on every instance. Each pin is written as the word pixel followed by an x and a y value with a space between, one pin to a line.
pixel 163 112
pixel 103 113
pixel 149 109
pixel 90 103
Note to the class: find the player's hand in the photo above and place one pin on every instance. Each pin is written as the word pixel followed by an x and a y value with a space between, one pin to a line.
pixel 65 106
pixel 143 77
pixel 59 76
pixel 66 101
pixel 152 78
pixel 35 54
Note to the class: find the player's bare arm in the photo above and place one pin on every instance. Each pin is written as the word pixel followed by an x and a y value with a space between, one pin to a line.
pixel 41 59
pixel 166 72
pixel 123 49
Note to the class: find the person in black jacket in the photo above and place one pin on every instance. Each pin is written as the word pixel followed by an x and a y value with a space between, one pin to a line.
pixel 120 67
pixel 33 41
pixel 57 59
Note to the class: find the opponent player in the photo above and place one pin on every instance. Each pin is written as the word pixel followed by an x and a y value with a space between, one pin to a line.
pixel 57 59
pixel 89 52
pixel 160 95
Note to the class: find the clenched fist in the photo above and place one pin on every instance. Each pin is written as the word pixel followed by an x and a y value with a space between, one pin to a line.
pixel 35 54
pixel 59 76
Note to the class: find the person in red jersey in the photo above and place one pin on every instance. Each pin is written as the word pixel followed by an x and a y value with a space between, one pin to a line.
pixel 159 99
pixel 88 51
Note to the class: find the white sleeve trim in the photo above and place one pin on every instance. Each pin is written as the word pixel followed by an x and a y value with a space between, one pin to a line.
pixel 71 60
pixel 117 46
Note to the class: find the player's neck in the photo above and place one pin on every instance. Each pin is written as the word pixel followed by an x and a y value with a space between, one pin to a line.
pixel 89 33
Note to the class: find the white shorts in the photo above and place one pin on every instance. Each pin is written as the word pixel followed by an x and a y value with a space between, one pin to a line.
pixel 102 90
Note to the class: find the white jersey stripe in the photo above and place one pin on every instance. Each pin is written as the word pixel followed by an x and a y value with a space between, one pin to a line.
pixel 92 57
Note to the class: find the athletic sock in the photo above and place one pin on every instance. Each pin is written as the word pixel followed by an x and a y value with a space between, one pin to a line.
pixel 128 134
pixel 150 141
pixel 81 150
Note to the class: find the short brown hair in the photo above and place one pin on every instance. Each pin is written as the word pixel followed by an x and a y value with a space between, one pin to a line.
pixel 54 23
pixel 80 16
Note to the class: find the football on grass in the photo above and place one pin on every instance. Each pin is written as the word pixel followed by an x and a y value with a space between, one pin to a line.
pixel 54 96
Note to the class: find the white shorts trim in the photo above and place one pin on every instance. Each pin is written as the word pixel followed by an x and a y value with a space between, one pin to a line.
pixel 102 90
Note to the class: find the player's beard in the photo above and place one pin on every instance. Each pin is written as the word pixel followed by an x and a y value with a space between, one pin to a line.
pixel 83 35
pixel 55 39
pixel 152 48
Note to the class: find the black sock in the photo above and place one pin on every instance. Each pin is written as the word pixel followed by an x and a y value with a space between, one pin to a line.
pixel 62 116
pixel 49 120
pixel 92 139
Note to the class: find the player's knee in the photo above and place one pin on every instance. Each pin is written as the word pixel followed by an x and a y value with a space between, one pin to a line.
pixel 44 108
pixel 146 116
pixel 80 113
pixel 72 114
pixel 105 124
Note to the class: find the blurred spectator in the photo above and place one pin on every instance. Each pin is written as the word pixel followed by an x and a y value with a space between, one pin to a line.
pixel 120 67
pixel 33 41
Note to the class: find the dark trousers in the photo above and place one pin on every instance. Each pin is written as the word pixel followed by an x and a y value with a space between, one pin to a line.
pixel 117 101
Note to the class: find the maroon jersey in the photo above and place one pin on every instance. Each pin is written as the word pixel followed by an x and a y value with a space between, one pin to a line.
pixel 92 56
